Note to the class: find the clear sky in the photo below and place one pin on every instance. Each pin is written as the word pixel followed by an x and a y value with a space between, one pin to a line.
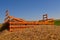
pixel 30 9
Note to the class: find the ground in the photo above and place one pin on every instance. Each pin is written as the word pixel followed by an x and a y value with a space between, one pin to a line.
pixel 43 32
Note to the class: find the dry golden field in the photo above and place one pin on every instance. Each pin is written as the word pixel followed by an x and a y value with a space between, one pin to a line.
pixel 42 32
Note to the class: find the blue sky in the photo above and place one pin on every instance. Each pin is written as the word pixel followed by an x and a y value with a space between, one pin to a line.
pixel 30 9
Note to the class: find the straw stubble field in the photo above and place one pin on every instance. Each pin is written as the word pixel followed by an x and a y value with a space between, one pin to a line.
pixel 43 32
